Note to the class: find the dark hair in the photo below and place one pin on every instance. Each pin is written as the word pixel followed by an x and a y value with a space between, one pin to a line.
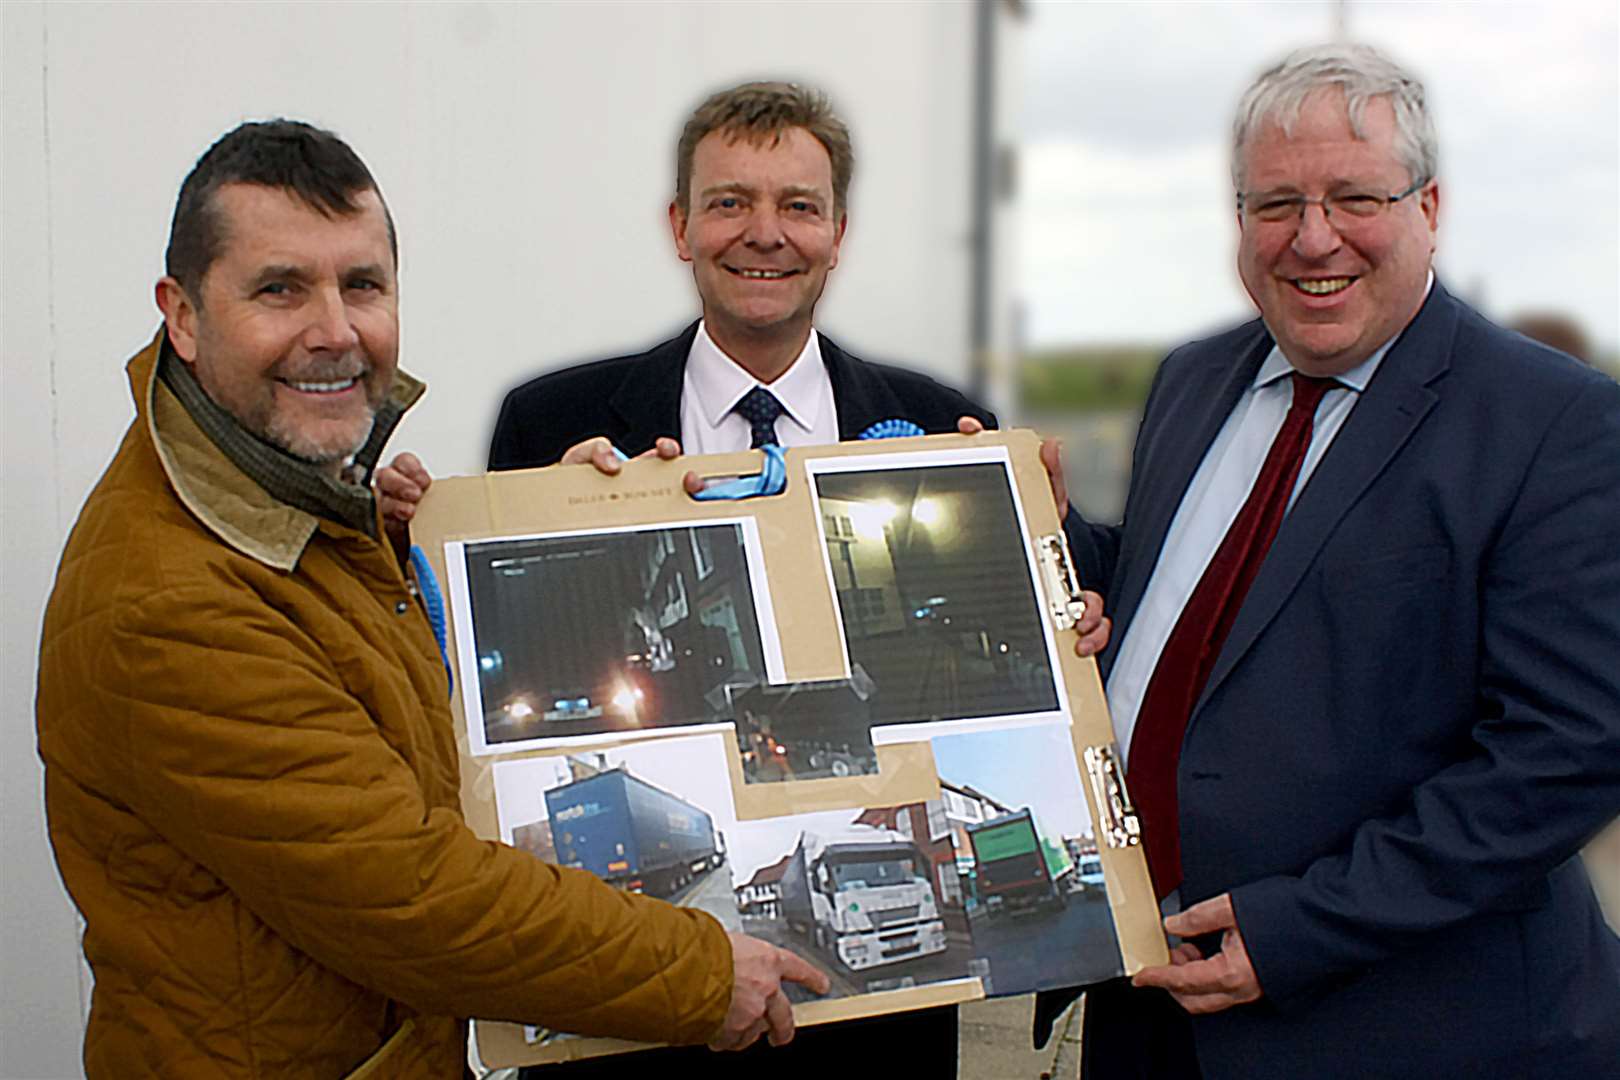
pixel 763 110
pixel 306 161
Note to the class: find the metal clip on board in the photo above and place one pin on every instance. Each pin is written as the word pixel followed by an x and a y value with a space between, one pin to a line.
pixel 1121 828
pixel 1062 586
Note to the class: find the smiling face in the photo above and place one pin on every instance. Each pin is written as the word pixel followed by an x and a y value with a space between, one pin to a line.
pixel 761 233
pixel 1333 291
pixel 296 330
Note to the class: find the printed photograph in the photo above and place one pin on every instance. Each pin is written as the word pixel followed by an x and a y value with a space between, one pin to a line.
pixel 650 818
pixel 602 633
pixel 871 896
pixel 1027 858
pixel 934 590
pixel 617 815
pixel 805 730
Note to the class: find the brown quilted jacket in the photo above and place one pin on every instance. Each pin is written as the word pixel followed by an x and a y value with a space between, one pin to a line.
pixel 252 789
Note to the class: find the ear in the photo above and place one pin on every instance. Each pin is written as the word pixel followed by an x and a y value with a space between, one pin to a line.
pixel 180 316
pixel 1429 203
pixel 838 239
pixel 677 225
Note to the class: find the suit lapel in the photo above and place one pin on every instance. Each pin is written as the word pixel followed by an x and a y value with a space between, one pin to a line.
pixel 647 404
pixel 1390 410
pixel 860 398
pixel 1169 458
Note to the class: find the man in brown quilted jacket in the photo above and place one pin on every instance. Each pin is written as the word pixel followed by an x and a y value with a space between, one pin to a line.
pixel 251 776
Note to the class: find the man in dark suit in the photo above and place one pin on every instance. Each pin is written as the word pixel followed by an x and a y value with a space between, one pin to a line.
pixel 762 179
pixel 762 182
pixel 1367 742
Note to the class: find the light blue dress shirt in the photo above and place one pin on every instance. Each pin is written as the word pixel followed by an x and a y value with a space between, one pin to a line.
pixel 1218 490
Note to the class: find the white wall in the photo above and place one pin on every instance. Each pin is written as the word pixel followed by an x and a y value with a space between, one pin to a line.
pixel 527 155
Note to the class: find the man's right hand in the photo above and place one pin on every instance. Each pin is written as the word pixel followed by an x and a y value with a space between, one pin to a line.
pixel 599 451
pixel 758 1004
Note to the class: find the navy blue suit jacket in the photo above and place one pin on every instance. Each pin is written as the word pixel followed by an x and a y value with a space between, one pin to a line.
pixel 1415 722
pixel 634 400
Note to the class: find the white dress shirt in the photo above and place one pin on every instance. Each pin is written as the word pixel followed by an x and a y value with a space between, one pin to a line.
pixel 714 383
pixel 1218 491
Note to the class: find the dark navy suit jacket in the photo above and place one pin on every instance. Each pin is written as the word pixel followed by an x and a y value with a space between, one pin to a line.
pixel 1415 722
pixel 634 400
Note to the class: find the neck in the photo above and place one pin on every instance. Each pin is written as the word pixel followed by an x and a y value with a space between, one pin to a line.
pixel 765 353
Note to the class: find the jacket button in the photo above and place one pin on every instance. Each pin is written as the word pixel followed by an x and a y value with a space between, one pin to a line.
pixel 402 607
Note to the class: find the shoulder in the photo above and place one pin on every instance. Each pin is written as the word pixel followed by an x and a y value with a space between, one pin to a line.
pixel 596 377
pixel 1518 386
pixel 1223 346
pixel 898 389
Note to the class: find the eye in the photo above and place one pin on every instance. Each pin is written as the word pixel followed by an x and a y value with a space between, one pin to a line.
pixel 366 284
pixel 802 206
pixel 727 202
pixel 1359 204
pixel 1276 207
pixel 274 288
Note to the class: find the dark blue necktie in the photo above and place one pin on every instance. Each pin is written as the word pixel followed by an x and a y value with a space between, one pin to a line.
pixel 760 408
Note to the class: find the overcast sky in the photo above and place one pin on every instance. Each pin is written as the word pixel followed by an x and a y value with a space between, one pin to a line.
pixel 1128 233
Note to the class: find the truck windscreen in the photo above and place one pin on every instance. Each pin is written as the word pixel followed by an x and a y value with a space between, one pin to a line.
pixel 873 872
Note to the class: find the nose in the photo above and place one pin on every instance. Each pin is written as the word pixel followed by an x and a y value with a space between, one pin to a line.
pixel 1316 235
pixel 330 326
pixel 764 229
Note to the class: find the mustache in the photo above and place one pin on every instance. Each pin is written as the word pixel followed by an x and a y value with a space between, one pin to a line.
pixel 351 365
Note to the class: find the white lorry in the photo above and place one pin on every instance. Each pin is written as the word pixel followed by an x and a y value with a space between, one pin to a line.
pixel 863 896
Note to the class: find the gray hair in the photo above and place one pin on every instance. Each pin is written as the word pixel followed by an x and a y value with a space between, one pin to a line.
pixel 1362 73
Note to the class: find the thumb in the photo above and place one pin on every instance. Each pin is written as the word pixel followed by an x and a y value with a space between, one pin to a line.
pixel 797 969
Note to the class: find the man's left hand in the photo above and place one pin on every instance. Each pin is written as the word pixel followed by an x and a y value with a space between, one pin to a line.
pixel 1202 985
pixel 400 486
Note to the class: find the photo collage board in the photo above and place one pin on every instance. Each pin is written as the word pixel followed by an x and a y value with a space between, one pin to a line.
pixel 842 719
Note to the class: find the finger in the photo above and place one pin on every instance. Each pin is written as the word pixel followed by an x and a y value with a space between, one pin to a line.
pixel 1202 918
pixel 597 451
pixel 1092 617
pixel 797 969
pixel 751 1036
pixel 1185 953
pixel 396 486
pixel 1052 457
pixel 969 425
pixel 1195 977
pixel 693 483
pixel 779 1014
pixel 411 466
pixel 1096 641
pixel 1204 1004
pixel 667 449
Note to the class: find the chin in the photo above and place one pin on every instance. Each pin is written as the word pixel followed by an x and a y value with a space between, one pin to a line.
pixel 322 447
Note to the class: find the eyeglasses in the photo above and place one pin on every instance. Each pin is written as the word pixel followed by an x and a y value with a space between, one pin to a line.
pixel 1346 206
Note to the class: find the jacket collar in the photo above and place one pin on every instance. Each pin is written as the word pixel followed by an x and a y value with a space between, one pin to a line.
pixel 256 499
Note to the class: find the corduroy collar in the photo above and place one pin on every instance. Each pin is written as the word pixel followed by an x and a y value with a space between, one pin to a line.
pixel 257 498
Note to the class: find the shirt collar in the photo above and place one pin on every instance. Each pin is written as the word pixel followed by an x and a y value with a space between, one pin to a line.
pixel 718 382
pixel 1276 365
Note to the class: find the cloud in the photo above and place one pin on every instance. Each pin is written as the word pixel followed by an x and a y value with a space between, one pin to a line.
pixel 1127 230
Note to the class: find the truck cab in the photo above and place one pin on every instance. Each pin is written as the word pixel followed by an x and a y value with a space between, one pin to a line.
pixel 866 898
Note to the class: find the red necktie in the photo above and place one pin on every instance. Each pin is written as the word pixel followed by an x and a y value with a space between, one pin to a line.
pixel 1194 644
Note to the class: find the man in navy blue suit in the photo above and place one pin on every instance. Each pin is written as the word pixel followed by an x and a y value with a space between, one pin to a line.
pixel 1366 657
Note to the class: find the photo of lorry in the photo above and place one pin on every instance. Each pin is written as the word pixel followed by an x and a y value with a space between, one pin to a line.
pixel 1011 868
pixel 862 896
pixel 631 834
